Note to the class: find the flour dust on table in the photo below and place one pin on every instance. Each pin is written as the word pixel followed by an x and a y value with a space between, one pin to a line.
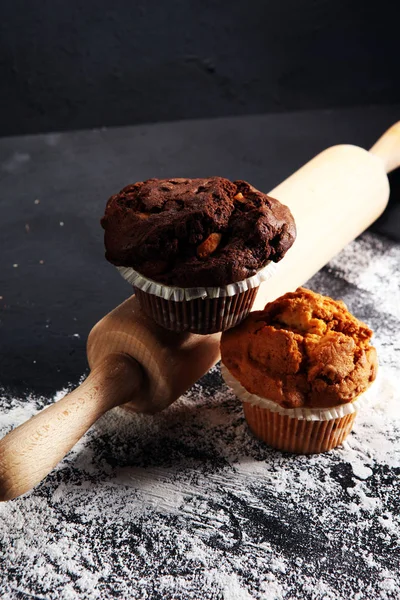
pixel 187 504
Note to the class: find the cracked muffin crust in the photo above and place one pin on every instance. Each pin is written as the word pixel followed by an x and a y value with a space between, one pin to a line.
pixel 302 350
pixel 196 232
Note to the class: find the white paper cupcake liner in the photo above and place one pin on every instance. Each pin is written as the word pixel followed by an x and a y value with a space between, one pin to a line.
pixel 306 414
pixel 178 294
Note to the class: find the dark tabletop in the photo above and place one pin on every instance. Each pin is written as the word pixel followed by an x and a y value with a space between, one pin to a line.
pixel 186 504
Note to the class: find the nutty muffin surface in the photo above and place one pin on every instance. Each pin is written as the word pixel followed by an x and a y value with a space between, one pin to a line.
pixel 196 232
pixel 302 350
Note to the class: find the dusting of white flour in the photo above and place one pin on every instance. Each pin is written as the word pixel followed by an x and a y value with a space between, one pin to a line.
pixel 188 505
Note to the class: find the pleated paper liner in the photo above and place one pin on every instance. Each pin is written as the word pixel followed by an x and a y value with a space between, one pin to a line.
pixel 198 310
pixel 298 430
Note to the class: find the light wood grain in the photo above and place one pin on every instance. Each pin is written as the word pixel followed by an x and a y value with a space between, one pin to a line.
pixel 30 451
pixel 387 148
pixel 171 362
pixel 334 198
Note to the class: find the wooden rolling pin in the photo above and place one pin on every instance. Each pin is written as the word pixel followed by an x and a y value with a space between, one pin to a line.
pixel 334 197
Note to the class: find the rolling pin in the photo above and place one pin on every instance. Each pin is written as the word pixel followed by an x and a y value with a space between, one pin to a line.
pixel 136 363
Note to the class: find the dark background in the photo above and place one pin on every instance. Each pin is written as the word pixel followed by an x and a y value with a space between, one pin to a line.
pixel 80 64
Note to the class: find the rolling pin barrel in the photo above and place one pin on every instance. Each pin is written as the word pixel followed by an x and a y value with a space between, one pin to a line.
pixel 333 198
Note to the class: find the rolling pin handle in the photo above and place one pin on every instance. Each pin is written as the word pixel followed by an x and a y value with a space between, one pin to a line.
pixel 388 148
pixel 32 450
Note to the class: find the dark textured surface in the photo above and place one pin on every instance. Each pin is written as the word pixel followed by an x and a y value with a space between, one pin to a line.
pixel 67 65
pixel 196 232
pixel 44 307
pixel 186 504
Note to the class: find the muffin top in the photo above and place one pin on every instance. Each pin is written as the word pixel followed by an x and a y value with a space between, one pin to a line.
pixel 196 232
pixel 302 350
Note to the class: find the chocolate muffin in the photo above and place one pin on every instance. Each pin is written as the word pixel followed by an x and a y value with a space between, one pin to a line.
pixel 196 250
pixel 196 232
pixel 304 357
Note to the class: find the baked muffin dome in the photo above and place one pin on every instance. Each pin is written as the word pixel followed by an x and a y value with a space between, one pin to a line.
pixel 302 350
pixel 196 232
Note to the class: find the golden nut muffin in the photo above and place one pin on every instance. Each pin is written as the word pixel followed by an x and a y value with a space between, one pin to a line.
pixel 301 367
